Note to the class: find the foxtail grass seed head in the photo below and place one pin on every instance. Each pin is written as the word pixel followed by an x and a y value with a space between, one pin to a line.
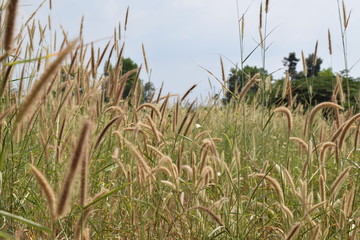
pixel 346 128
pixel 188 92
pixel 314 60
pixel 267 6
pixel 211 213
pixel 260 16
pixel 300 141
pixel 322 185
pixel 145 59
pixel 288 115
pixel 246 88
pixel 10 24
pixel 329 42
pixel 338 181
pixel 321 106
pixel 45 186
pixel 304 63
pixel 73 166
pixel 273 182
pixel 293 231
pixel 126 18
pixel 33 97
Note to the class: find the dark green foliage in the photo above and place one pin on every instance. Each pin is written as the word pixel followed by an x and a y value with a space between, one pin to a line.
pixel 313 70
pixel 322 89
pixel 128 65
pixel 237 79
pixel 290 62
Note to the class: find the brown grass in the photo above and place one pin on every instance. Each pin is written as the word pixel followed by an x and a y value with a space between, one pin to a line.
pixel 73 166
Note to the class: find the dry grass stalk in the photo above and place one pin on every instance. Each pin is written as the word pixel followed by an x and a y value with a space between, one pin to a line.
pixel 115 108
pixel 314 60
pixel 166 160
pixel 321 106
pixel 86 212
pixel 92 59
pixel 222 71
pixel 247 86
pixel 145 59
pixel 287 112
pixel 162 169
pixel 84 175
pixel 6 112
pixel 329 42
pixel 273 182
pixel 260 16
pixel 10 25
pixel 290 180
pixel 32 98
pixel 126 18
pixel 345 17
pixel 350 201
pixel 289 215
pixel 323 149
pixel 74 163
pixel 169 184
pixel 153 127
pixel 338 181
pixel 140 159
pixel 340 88
pixel 285 86
pixel 211 213
pixel 266 6
pixel 189 171
pixel 112 121
pixel 187 129
pixel 345 129
pixel 186 116
pixel 337 133
pixel 313 208
pixel 5 80
pixel 322 188
pixel 300 141
pixel 293 231
pixel 151 106
pixel 188 92
pixel 308 159
pixel 304 63
pixel 115 156
pixel 45 186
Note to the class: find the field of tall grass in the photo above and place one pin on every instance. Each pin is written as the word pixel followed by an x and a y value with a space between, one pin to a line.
pixel 74 166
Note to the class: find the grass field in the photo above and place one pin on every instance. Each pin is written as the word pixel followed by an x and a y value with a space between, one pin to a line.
pixel 73 166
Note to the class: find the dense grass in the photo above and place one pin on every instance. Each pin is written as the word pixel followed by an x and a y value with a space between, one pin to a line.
pixel 75 166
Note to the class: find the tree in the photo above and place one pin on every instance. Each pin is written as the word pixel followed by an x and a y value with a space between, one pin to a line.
pixel 148 91
pixel 322 87
pixel 313 69
pixel 290 62
pixel 237 79
pixel 128 65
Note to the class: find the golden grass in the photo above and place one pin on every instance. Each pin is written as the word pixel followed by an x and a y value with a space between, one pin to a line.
pixel 174 169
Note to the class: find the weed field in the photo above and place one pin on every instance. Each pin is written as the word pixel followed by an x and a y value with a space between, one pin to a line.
pixel 78 160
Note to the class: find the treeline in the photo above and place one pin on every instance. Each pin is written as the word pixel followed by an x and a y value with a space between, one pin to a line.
pixel 308 87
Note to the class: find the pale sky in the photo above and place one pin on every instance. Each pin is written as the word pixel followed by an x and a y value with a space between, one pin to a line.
pixel 180 35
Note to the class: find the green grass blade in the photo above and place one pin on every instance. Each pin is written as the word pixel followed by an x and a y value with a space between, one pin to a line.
pixel 26 221
pixel 6 236
pixel 106 195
